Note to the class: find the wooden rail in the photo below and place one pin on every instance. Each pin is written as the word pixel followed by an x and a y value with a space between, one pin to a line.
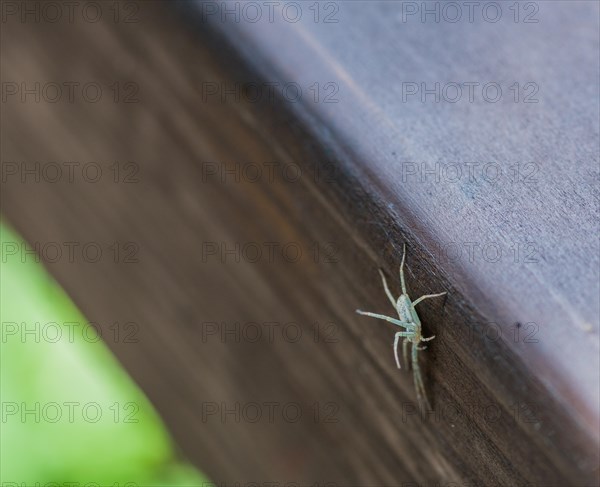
pixel 241 227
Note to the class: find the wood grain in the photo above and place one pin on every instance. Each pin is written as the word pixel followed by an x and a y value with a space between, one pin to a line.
pixel 514 403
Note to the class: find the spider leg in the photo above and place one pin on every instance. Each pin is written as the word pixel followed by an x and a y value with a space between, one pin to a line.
pixel 420 388
pixel 402 270
pixel 405 352
pixel 427 296
pixel 427 339
pixel 403 324
pixel 387 289
pixel 396 339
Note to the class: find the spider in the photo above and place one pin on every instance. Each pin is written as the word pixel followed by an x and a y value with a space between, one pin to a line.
pixel 409 320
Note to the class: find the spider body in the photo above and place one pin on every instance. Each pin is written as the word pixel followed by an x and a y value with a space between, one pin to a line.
pixel 409 321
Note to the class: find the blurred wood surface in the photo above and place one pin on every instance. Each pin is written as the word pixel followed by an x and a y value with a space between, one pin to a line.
pixel 513 371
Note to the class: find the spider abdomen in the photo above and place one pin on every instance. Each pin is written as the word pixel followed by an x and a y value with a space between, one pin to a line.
pixel 403 308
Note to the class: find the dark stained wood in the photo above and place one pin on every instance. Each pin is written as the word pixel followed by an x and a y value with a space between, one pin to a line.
pixel 518 409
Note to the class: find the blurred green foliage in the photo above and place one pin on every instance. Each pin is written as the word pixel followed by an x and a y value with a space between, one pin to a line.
pixel 43 438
